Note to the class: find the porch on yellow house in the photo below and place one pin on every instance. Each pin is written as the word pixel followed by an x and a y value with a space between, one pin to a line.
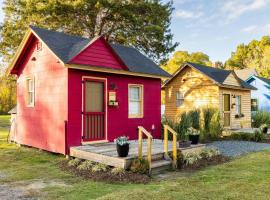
pixel 154 150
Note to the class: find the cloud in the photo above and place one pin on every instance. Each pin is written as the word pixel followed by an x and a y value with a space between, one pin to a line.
pixel 265 29
pixel 188 14
pixel 236 8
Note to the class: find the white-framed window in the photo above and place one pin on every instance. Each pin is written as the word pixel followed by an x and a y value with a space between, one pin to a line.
pixel 135 101
pixel 179 98
pixel 254 105
pixel 238 104
pixel 30 91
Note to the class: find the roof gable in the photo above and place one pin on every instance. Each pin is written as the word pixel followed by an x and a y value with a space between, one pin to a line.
pixel 98 53
pixel 218 76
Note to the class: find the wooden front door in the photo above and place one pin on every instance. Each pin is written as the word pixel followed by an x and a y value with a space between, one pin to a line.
pixel 227 110
pixel 94 113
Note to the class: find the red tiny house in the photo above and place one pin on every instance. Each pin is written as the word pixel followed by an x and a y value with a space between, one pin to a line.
pixel 73 87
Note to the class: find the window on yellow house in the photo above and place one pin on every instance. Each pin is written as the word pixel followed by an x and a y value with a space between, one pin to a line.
pixel 30 89
pixel 238 104
pixel 135 101
pixel 179 98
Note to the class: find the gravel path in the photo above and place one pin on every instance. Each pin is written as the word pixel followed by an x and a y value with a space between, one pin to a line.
pixel 237 148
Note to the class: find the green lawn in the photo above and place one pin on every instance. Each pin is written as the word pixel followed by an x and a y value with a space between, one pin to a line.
pixel 244 178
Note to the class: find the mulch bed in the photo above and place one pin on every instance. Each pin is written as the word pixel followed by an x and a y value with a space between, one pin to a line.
pixel 202 163
pixel 108 177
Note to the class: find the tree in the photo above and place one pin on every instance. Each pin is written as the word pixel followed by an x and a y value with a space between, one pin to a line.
pixel 143 24
pixel 180 57
pixel 256 54
pixel 7 93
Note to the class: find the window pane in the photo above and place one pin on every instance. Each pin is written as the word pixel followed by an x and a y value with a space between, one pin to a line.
pixel 94 99
pixel 226 102
pixel 238 104
pixel 254 104
pixel 134 108
pixel 134 93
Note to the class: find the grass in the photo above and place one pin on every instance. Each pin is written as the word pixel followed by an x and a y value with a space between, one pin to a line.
pixel 243 178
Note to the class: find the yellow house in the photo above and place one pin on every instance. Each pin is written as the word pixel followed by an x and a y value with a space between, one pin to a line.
pixel 196 86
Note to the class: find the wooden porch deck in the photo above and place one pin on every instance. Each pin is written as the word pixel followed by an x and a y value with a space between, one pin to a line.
pixel 106 152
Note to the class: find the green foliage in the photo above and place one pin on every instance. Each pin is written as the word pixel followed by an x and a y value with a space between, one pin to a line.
pixel 86 165
pixel 259 118
pixel 242 136
pixel 258 136
pixel 99 167
pixel 184 124
pixel 122 140
pixel 191 158
pixel 172 124
pixel 253 55
pixel 118 171
pixel 74 162
pixel 7 93
pixel 180 57
pixel 216 127
pixel 195 118
pixel 209 153
pixel 143 24
pixel 139 166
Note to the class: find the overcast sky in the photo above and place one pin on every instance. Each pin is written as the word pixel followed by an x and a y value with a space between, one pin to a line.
pixel 216 27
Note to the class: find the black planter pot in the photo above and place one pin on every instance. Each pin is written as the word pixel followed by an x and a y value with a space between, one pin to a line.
pixel 122 150
pixel 264 130
pixel 194 139
pixel 184 143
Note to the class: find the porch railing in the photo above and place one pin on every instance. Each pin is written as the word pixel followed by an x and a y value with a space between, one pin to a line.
pixel 168 129
pixel 149 145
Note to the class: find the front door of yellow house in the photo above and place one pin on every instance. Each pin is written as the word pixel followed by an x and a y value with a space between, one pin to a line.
pixel 227 110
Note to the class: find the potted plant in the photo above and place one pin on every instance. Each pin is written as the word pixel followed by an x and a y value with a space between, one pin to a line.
pixel 264 128
pixel 122 146
pixel 193 135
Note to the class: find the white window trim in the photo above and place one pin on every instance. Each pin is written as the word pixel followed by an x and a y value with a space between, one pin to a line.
pixel 140 115
pixel 238 107
pixel 180 98
pixel 30 104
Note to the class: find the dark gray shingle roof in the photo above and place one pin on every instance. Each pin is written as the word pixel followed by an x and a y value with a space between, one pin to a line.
pixel 67 46
pixel 218 75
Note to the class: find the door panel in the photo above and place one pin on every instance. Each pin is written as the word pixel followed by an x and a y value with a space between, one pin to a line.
pixel 94 110
pixel 227 109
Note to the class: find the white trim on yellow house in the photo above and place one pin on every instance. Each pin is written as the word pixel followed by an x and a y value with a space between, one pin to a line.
pixel 141 115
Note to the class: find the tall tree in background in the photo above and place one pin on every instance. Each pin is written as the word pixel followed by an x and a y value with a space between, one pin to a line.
pixel 180 57
pixel 255 54
pixel 143 24
pixel 7 93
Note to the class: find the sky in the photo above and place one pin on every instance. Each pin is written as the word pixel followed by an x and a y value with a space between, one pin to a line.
pixel 216 27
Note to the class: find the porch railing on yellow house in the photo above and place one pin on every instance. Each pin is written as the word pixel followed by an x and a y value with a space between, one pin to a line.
pixel 149 145
pixel 168 129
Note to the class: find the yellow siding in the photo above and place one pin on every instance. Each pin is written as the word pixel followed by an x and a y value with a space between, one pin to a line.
pixel 198 90
pixel 231 80
pixel 245 109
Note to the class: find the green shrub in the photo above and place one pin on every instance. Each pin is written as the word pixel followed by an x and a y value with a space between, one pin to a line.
pixel 191 158
pixel 74 162
pixel 139 166
pixel 242 136
pixel 216 127
pixel 259 118
pixel 209 153
pixel 258 136
pixel 207 113
pixel 184 124
pixel 194 116
pixel 172 124
pixel 118 171
pixel 99 167
pixel 86 165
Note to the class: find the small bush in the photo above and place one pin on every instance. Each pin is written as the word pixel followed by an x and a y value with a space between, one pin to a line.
pixel 86 165
pixel 209 153
pixel 172 124
pixel 241 136
pixel 194 116
pixel 99 167
pixel 259 118
pixel 208 113
pixel 191 158
pixel 184 124
pixel 74 162
pixel 118 171
pixel 139 166
pixel 258 136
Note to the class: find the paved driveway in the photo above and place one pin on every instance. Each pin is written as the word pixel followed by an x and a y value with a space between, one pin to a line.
pixel 237 148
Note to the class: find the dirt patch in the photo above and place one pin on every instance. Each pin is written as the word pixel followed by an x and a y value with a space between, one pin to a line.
pixel 107 176
pixel 202 163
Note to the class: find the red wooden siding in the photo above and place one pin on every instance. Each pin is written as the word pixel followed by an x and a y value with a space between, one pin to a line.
pixel 99 54
pixel 42 126
pixel 118 121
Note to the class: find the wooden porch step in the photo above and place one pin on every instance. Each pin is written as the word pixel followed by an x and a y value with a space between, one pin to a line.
pixel 160 166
